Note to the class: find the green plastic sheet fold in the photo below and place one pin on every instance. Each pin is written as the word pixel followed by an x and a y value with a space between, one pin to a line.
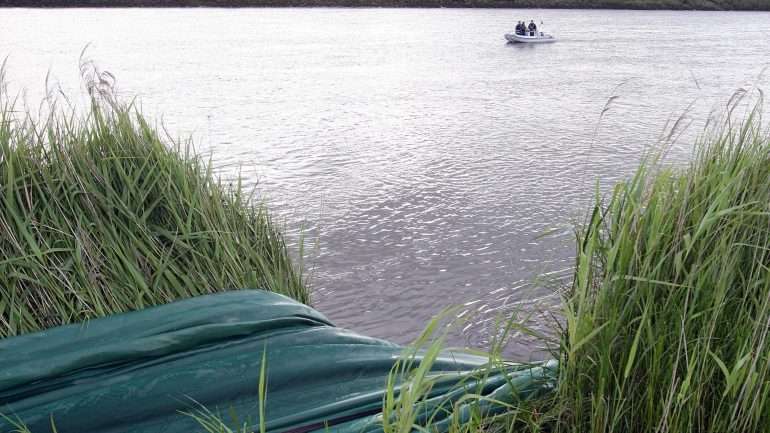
pixel 141 371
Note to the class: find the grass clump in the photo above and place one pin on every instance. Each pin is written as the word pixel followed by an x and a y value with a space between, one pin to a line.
pixel 498 396
pixel 667 322
pixel 100 215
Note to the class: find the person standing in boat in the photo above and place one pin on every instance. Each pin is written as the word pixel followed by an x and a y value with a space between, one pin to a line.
pixel 532 28
pixel 519 28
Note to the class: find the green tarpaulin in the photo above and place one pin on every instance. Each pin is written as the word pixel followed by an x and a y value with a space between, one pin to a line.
pixel 136 372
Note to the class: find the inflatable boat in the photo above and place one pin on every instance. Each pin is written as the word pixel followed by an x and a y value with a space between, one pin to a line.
pixel 538 38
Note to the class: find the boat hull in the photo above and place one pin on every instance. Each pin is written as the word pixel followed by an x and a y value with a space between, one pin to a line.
pixel 522 39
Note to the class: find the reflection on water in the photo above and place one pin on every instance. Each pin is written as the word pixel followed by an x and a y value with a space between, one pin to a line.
pixel 424 155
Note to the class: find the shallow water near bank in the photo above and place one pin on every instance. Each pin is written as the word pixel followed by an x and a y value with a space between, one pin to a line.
pixel 425 158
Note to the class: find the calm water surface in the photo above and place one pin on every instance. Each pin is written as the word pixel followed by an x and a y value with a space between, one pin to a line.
pixel 424 156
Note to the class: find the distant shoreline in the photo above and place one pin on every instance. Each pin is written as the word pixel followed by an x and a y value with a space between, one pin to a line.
pixel 704 5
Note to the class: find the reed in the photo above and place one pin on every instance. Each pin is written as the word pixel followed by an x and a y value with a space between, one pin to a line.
pixel 100 215
pixel 667 321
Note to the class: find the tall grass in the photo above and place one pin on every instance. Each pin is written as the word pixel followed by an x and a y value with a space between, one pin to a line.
pixel 668 318
pixel 100 215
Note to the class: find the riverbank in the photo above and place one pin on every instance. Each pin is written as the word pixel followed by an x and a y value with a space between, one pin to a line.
pixel 664 328
pixel 705 5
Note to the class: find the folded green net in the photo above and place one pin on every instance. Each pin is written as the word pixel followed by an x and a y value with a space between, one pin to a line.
pixel 142 371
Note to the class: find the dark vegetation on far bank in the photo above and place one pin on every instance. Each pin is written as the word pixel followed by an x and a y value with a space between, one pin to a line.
pixel 709 5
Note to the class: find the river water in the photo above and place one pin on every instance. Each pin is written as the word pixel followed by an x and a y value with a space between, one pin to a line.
pixel 430 163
